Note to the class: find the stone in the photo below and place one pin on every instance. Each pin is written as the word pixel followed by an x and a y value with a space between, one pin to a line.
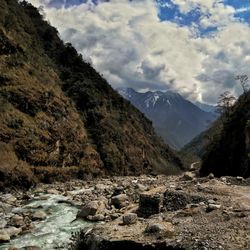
pixel 89 209
pixel 39 215
pixel 188 176
pixel 165 228
pixel 141 187
pixel 11 231
pixel 4 237
pixel 52 191
pixel 129 219
pixel 239 178
pixel 119 201
pixel 8 198
pixel 3 223
pixel 96 218
pixel 212 207
pixel 17 220
pixel 211 176
pixel 114 216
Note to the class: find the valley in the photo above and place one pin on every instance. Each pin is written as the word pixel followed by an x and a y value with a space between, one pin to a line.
pixel 85 166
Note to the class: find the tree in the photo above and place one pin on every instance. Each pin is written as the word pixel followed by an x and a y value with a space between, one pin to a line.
pixel 225 103
pixel 243 80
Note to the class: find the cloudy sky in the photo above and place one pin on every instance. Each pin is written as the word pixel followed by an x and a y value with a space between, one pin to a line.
pixel 194 47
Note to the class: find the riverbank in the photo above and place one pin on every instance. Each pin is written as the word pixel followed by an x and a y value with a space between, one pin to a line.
pixel 181 212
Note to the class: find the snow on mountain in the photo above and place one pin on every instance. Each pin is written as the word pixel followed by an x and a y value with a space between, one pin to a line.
pixel 176 119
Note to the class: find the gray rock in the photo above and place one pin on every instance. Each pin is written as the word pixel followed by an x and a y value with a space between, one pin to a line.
pixel 3 223
pixel 4 237
pixel 52 191
pixel 119 201
pixel 8 198
pixel 88 209
pixel 97 217
pixel 156 228
pixel 17 220
pixel 239 178
pixel 129 219
pixel 188 176
pixel 212 207
pixel 39 215
pixel 211 176
pixel 11 231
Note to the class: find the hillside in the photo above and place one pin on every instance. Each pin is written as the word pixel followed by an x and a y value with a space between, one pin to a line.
pixel 198 145
pixel 59 118
pixel 228 153
pixel 174 118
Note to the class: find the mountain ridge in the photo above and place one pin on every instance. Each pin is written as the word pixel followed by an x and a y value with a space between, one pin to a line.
pixel 59 118
pixel 175 119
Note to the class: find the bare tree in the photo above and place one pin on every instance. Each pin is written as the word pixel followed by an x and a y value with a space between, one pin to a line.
pixel 243 80
pixel 225 103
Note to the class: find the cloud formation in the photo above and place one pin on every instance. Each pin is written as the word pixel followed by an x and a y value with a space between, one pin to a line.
pixel 132 46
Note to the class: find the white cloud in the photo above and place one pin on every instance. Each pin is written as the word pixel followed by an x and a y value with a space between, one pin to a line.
pixel 128 43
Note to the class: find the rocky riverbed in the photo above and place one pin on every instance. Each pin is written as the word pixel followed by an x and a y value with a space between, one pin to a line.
pixel 146 212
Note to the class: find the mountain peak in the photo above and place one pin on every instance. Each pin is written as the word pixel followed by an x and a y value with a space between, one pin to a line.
pixel 176 119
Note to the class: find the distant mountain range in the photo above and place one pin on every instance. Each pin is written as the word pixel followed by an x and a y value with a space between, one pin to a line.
pixel 175 119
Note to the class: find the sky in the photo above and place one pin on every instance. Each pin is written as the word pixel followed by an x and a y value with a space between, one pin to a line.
pixel 193 47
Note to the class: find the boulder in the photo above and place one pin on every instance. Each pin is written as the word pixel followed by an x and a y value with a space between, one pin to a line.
pixel 129 219
pixel 92 208
pixel 39 215
pixel 4 237
pixel 211 207
pixel 119 201
pixel 96 218
pixel 3 223
pixel 52 191
pixel 8 198
pixel 11 231
pixel 17 220
pixel 166 229
pixel 188 176
pixel 149 204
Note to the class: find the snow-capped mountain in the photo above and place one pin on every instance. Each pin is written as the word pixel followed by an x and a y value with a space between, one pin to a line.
pixel 175 119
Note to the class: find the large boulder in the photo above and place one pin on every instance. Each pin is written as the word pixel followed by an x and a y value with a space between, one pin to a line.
pixel 150 203
pixel 39 215
pixel 92 208
pixel 119 201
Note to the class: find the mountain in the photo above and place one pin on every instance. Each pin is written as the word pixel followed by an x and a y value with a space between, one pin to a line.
pixel 228 152
pixel 59 118
pixel 175 119
pixel 198 145
pixel 205 107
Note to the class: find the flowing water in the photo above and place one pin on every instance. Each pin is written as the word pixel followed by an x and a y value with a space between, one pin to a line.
pixel 55 231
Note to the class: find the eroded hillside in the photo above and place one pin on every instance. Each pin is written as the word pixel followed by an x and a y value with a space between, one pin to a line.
pixel 59 117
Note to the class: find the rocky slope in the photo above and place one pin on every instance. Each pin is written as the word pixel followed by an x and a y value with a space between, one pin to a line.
pixel 59 118
pixel 228 153
pixel 175 119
